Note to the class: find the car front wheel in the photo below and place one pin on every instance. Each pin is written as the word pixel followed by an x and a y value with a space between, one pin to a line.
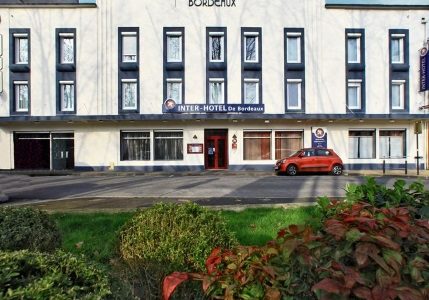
pixel 337 170
pixel 291 170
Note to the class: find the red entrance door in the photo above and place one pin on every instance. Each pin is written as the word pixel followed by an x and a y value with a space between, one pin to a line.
pixel 216 156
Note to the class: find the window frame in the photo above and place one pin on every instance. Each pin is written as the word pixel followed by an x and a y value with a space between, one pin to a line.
pixel 255 35
pixel 134 34
pixel 129 81
pixel 62 36
pixel 179 81
pixel 167 131
pixel 404 143
pixel 121 138
pixel 16 85
pixel 374 142
pixel 216 80
pixel 298 36
pixel 402 84
pixel 294 81
pixel 401 38
pixel 254 81
pixel 176 34
pixel 355 83
pixel 358 37
pixel 18 36
pixel 62 85
pixel 261 138
pixel 220 34
pixel 281 138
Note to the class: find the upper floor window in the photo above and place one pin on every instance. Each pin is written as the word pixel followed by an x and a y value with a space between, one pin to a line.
pixel 67 95
pixel 397 48
pixel 21 96
pixel 129 47
pixel 354 48
pixel 67 48
pixel 174 90
pixel 354 92
pixel 398 94
pixel 251 91
pixel 21 48
pixel 251 46
pixel 216 44
pixel 293 51
pixel 129 94
pixel 216 91
pixel 293 93
pixel 174 46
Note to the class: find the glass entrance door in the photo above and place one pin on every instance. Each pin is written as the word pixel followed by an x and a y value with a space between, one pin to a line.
pixel 62 151
pixel 216 156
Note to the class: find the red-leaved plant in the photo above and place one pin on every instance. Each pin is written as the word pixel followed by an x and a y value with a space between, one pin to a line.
pixel 363 252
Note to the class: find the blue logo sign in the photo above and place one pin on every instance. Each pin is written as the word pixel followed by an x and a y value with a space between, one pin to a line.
pixel 170 106
pixel 424 74
pixel 319 137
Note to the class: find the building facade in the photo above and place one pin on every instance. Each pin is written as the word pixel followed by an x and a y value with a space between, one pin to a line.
pixel 210 84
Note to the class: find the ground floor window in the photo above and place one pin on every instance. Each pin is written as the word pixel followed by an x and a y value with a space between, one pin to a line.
pixel 135 145
pixel 168 145
pixel 392 144
pixel 257 145
pixel 362 144
pixel 288 142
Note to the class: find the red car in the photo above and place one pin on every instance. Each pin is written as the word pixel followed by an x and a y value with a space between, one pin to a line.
pixel 310 160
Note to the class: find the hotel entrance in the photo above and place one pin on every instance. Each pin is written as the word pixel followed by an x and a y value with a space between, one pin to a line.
pixel 216 149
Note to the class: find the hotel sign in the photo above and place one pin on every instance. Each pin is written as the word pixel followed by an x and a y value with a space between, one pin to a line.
pixel 170 106
pixel 212 3
pixel 424 74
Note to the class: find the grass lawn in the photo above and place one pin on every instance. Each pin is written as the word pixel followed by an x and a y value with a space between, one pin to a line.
pixel 95 234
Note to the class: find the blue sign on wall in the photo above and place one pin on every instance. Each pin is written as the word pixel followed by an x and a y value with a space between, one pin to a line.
pixel 319 137
pixel 424 74
pixel 170 106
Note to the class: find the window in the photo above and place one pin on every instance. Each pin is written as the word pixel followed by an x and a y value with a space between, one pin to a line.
pixel 216 91
pixel 362 144
pixel 353 48
pixel 293 47
pixel 251 91
pixel 67 48
pixel 21 48
pixel 168 145
pixel 287 143
pixel 392 143
pixel 216 44
pixel 129 47
pixel 174 47
pixel 293 93
pixel 397 48
pixel 251 47
pixel 257 145
pixel 129 94
pixel 174 90
pixel 67 95
pixel 398 94
pixel 135 145
pixel 354 92
pixel 21 96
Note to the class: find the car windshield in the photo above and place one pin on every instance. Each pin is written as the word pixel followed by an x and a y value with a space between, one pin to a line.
pixel 295 153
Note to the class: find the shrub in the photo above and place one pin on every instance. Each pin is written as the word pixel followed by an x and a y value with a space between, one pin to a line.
pixel 27 228
pixel 169 237
pixel 363 252
pixel 34 275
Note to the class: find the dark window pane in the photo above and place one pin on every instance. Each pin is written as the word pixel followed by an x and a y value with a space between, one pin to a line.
pixel 168 145
pixel 135 146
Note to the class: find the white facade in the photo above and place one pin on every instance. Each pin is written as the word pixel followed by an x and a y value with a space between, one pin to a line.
pixel 98 120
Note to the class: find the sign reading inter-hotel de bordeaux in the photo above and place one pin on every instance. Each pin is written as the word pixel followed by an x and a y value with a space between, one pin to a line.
pixel 211 3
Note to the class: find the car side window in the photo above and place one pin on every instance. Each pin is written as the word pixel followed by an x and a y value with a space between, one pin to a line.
pixel 308 153
pixel 322 152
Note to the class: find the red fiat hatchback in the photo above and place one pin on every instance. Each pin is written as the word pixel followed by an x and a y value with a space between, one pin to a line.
pixel 310 160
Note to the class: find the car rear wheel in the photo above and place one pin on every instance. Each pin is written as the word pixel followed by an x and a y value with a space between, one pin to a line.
pixel 337 170
pixel 291 170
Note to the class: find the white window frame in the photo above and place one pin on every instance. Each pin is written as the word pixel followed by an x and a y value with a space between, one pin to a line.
pixel 125 81
pixel 357 83
pixel 62 85
pixel 16 40
pixel 404 143
pixel 401 38
pixel 251 35
pixel 217 80
pixel 401 84
pixel 175 34
pixel 294 81
pixel 133 34
pixel 63 36
pixel 358 38
pixel 16 85
pixel 222 45
pixel 250 80
pixel 176 80
pixel 298 36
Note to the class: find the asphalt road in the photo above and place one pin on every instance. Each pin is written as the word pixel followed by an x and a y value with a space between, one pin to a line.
pixel 142 190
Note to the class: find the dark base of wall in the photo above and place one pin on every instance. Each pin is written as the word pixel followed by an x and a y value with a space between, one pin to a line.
pixel 357 167
pixel 143 168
